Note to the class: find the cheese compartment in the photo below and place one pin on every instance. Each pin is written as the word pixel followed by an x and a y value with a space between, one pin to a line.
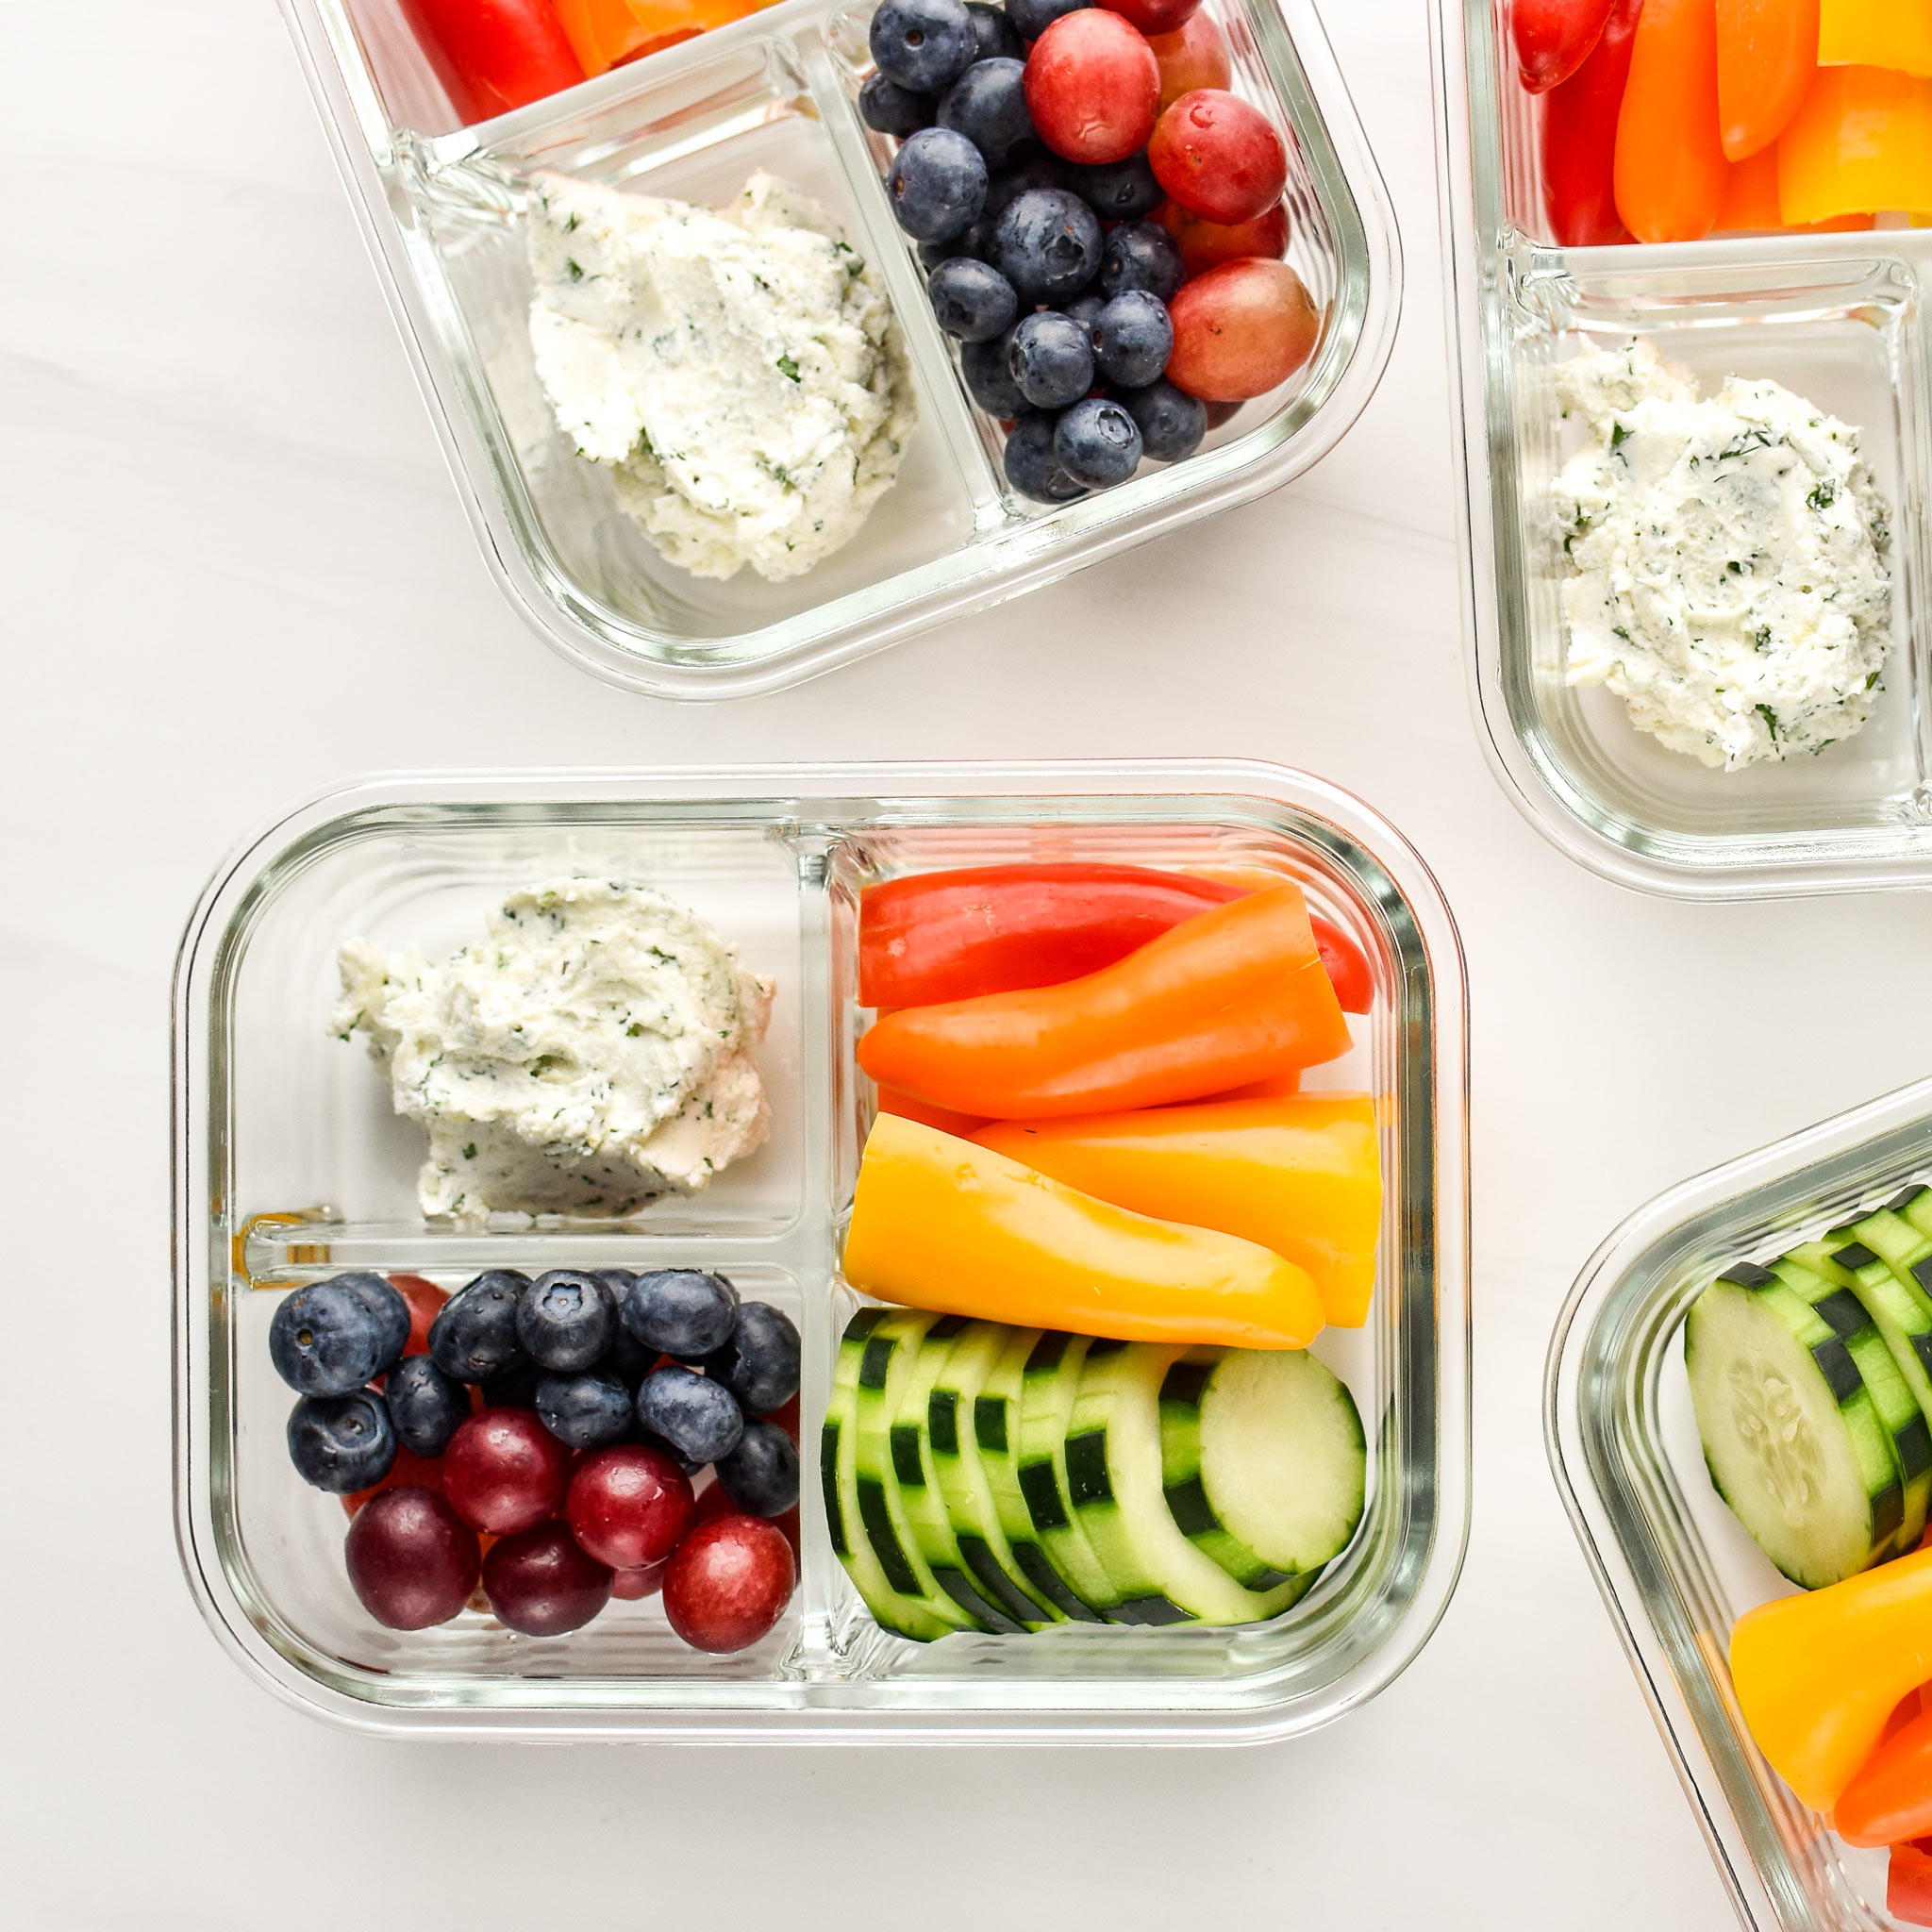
pixel 775 90
pixel 271 1194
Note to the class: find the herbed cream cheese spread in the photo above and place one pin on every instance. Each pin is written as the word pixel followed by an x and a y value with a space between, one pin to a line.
pixel 1731 585
pixel 740 373
pixel 588 1054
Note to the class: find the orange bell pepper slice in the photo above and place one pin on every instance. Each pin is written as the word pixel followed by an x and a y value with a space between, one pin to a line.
pixel 962 1126
pixel 1767 52
pixel 1875 33
pixel 1670 167
pixel 1238 994
pixel 1890 1798
pixel 942 1223
pixel 607 33
pixel 1300 1176
pixel 1861 141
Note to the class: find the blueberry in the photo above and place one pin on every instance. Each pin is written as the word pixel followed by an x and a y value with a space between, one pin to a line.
pixel 994 37
pixel 565 1318
pixel 699 1418
pixel 326 1340
pixel 938 184
pixel 886 108
pixel 473 1337
pixel 987 105
pixel 1118 190
pixel 342 1444
pixel 383 1300
pixel 585 1411
pixel 514 1389
pixel 625 1356
pixel 1051 358
pixel 971 300
pixel 1026 169
pixel 1133 338
pixel 649 1439
pixel 974 245
pixel 760 1364
pixel 1047 244
pixel 1140 255
pixel 680 1311
pixel 1172 423
pixel 1032 467
pixel 1031 18
pixel 425 1406
pixel 1096 442
pixel 1085 310
pixel 990 382
pixel 924 45
pixel 761 1475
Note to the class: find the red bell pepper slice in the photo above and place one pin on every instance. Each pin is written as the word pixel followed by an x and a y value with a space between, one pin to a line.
pixel 494 54
pixel 1554 38
pixel 1579 138
pixel 1909 1882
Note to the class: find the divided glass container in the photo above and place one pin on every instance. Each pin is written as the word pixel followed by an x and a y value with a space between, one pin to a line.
pixel 291 1166
pixel 1837 318
pixel 1675 1567
pixel 441 207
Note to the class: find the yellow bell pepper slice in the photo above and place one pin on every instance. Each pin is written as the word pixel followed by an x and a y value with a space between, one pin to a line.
pixel 1301 1176
pixel 1818 1676
pixel 1875 33
pixel 942 1223
pixel 1862 141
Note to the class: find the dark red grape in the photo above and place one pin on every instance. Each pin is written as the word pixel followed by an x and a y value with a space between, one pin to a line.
pixel 627 1586
pixel 504 1471
pixel 542 1583
pixel 628 1505
pixel 411 1559
pixel 729 1583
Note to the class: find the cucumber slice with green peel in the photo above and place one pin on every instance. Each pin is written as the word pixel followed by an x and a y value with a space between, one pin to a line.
pixel 1914 1203
pixel 1849 1313
pixel 996 1437
pixel 1047 1389
pixel 924 1503
pixel 907 1616
pixel 1113 1459
pixel 1263 1460
pixel 888 1364
pixel 1887 1238
pixel 1792 1435
pixel 962 1479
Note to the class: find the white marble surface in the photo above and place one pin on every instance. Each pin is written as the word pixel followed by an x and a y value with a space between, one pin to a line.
pixel 236 570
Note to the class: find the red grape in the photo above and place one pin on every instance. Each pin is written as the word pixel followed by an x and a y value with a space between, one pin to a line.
pixel 1240 329
pixel 411 1560
pixel 630 1585
pixel 786 1416
pixel 1207 245
pixel 424 1298
pixel 1093 87
pixel 628 1505
pixel 540 1582
pixel 1195 57
pixel 1154 16
pixel 730 1580
pixel 504 1471
pixel 1217 155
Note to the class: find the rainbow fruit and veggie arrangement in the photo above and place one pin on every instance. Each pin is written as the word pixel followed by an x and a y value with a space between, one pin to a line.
pixel 1811 1379
pixel 1670 120
pixel 1109 1224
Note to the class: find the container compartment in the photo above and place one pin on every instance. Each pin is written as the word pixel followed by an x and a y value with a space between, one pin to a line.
pixel 1675 1568
pixel 271 1194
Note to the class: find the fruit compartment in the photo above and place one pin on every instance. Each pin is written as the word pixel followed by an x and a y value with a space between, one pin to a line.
pixel 1837 318
pixel 1675 1567
pixel 440 206
pixel 271 1195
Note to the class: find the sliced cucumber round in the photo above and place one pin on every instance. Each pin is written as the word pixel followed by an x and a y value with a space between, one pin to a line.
pixel 1047 1389
pixel 1792 1435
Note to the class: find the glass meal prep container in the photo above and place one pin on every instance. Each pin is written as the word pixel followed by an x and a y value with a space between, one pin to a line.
pixel 1675 1567
pixel 290 1166
pixel 1837 318
pixel 776 91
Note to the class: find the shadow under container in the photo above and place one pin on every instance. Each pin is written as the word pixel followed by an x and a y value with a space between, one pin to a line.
pixel 290 1166
pixel 1676 1569
pixel 442 206
pixel 1837 318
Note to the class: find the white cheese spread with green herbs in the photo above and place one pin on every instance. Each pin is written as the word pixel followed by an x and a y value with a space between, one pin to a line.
pixel 1730 560
pixel 740 374
pixel 590 1052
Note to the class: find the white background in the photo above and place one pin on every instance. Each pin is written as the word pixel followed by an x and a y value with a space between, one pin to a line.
pixel 235 570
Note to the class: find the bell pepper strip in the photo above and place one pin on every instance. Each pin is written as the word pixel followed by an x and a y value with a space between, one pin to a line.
pixel 607 33
pixel 1875 33
pixel 1817 1675
pixel 962 1126
pixel 942 1223
pixel 494 55
pixel 1862 141
pixel 1890 1798
pixel 1767 52
pixel 1554 38
pixel 1578 138
pixel 1909 1883
pixel 1670 168
pixel 1278 1088
pixel 1234 994
pixel 1301 1176
pixel 1751 205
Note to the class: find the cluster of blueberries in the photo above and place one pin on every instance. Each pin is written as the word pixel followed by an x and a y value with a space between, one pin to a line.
pixel 585 1350
pixel 1064 328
